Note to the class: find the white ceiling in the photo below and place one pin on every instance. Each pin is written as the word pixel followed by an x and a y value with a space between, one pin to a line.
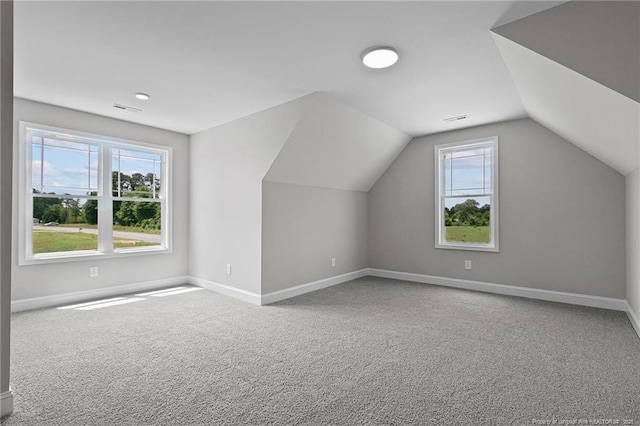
pixel 208 63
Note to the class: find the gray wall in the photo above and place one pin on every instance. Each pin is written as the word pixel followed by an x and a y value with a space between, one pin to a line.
pixel 303 227
pixel 562 220
pixel 57 278
pixel 633 240
pixel 227 166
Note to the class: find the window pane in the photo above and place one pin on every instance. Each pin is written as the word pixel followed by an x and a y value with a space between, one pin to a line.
pixel 63 167
pixel 136 173
pixel 467 172
pixel 467 220
pixel 136 224
pixel 64 224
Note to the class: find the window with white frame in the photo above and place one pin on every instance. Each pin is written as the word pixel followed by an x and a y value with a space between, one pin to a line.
pixel 467 195
pixel 84 195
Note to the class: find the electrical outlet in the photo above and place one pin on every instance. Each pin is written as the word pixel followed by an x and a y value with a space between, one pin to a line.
pixel 333 262
pixel 93 271
pixel 467 264
pixel 228 268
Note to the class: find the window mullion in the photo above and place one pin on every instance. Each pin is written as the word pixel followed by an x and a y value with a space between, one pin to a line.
pixel 494 196
pixel 28 152
pixel 165 208
pixel 105 203
pixel 119 173
pixel 41 164
pixel 442 188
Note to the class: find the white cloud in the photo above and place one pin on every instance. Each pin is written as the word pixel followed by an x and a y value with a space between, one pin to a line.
pixel 46 168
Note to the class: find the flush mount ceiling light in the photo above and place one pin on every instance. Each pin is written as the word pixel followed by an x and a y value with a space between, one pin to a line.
pixel 143 96
pixel 379 57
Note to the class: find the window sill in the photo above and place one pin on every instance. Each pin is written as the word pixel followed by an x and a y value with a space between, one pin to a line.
pixel 77 256
pixel 468 247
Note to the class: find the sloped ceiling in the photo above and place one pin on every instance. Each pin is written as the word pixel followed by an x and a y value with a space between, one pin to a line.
pixel 207 63
pixel 335 146
pixel 585 110
pixel 598 39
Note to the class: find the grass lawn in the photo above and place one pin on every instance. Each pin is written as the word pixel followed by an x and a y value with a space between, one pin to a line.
pixel 115 228
pixel 468 234
pixel 52 242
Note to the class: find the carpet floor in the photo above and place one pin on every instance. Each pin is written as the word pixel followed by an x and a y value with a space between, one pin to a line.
pixel 370 351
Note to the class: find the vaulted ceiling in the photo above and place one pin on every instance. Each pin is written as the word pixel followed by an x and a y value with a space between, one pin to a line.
pixel 335 146
pixel 207 63
pixel 577 69
pixel 572 66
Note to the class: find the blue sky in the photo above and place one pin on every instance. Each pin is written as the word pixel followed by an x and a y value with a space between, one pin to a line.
pixel 72 167
pixel 471 176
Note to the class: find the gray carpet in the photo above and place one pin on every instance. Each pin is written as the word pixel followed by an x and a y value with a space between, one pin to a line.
pixel 371 351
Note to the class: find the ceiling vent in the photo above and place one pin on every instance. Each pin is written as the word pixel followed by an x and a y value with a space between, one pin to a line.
pixel 458 118
pixel 126 108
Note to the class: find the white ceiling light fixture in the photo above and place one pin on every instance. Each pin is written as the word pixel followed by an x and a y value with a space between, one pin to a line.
pixel 142 96
pixel 379 57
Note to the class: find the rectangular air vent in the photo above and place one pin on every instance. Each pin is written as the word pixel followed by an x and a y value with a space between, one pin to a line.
pixel 458 118
pixel 126 108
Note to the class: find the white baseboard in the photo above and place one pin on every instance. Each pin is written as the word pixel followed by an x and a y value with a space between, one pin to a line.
pixel 528 292
pixel 6 403
pixel 287 293
pixel 246 296
pixel 265 299
pixel 81 296
pixel 633 318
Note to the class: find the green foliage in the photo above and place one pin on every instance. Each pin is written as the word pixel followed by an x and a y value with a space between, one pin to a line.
pixel 73 211
pixel 54 213
pixel 125 214
pixel 138 214
pixel 468 214
pixel 468 222
pixel 137 182
pixel 40 205
pixel 61 210
pixel 90 211
pixel 145 211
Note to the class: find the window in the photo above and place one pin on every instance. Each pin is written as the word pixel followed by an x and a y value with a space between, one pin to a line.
pixel 467 195
pixel 89 195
